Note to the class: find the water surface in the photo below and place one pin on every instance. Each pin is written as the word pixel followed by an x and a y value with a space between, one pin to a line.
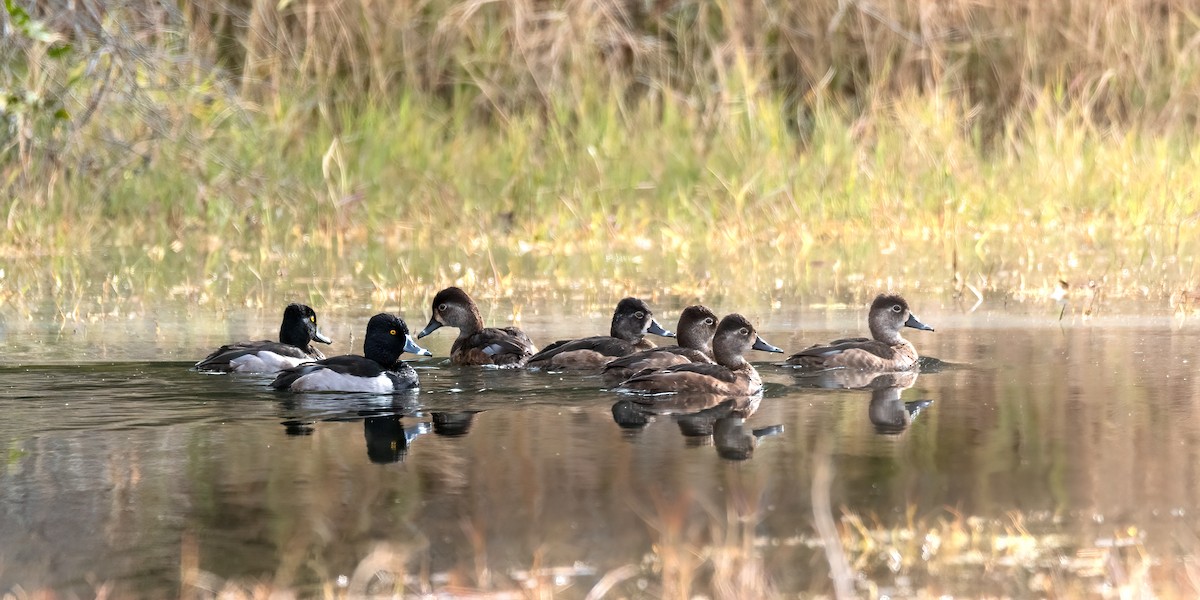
pixel 1035 456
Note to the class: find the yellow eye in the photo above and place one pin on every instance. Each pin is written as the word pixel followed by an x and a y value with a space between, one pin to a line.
pixel 313 319
pixel 393 332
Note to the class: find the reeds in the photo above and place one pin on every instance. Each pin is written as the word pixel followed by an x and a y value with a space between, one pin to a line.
pixel 995 146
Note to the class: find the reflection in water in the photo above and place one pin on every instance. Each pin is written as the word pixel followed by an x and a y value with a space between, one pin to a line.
pixel 388 439
pixel 887 412
pixel 701 418
pixel 1067 461
pixel 453 424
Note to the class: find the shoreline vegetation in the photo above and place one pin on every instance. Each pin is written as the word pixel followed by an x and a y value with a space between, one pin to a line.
pixel 232 153
pixel 246 148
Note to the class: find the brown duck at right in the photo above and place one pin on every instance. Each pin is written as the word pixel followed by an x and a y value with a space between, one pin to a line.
pixel 887 350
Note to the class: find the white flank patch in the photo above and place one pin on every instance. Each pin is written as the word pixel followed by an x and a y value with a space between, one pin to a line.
pixel 264 362
pixel 328 380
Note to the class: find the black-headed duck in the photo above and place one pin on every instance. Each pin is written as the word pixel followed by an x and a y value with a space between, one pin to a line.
pixel 888 351
pixel 476 344
pixel 378 371
pixel 631 321
pixel 695 332
pixel 731 376
pixel 296 334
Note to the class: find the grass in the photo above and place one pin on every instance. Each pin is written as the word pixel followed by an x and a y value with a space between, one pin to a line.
pixel 357 151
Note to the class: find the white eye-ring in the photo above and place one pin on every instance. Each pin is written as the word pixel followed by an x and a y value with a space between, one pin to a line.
pixel 896 308
pixel 639 315
pixel 708 321
pixel 441 308
pixel 744 331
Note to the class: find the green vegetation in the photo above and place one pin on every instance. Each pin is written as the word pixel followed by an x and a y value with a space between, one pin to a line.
pixel 244 149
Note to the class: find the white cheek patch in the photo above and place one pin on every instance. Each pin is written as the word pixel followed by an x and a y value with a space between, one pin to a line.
pixel 328 380
pixel 264 362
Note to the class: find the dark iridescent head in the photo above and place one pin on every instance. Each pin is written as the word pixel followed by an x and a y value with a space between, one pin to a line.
pixel 299 327
pixel 387 338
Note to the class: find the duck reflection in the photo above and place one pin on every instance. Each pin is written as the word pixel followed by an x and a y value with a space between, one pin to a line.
pixel 453 424
pixel 887 412
pixel 703 419
pixel 388 439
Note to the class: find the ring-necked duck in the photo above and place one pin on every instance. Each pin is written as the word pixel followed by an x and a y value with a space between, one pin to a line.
pixel 731 376
pixel 696 327
pixel 296 334
pixel 631 321
pixel 378 371
pixel 888 351
pixel 476 344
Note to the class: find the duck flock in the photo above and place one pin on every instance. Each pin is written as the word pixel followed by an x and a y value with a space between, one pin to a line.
pixel 708 359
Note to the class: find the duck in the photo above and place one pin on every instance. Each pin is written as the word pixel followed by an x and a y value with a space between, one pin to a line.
pixel 695 330
pixel 476 344
pixel 885 351
pixel 631 321
pixel 296 334
pixel 378 371
pixel 731 376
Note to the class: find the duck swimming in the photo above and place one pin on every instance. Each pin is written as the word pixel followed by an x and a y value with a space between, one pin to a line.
pixel 296 334
pixel 631 321
pixel 695 329
pixel 378 371
pixel 731 376
pixel 887 351
pixel 476 344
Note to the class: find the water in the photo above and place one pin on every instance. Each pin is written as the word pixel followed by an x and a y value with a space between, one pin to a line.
pixel 1036 456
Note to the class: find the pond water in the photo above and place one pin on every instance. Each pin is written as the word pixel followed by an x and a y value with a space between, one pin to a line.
pixel 1033 457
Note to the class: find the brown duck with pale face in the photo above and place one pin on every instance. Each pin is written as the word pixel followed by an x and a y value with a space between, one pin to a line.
pixel 695 332
pixel 886 351
pixel 476 344
pixel 631 321
pixel 731 376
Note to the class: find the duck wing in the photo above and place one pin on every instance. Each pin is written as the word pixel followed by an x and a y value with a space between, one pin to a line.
pixel 715 371
pixel 220 358
pixel 869 346
pixel 601 344
pixel 349 364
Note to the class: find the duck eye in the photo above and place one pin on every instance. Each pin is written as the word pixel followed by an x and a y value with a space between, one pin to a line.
pixel 744 331
pixel 441 308
pixel 708 321
pixel 896 308
pixel 393 332
pixel 313 318
pixel 639 315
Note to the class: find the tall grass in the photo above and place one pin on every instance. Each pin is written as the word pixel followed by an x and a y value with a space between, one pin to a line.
pixel 964 144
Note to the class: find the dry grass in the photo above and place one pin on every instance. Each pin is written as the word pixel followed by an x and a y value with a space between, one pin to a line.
pixel 360 148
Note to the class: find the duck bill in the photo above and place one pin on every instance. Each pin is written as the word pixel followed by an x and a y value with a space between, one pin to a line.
pixel 321 337
pixel 412 348
pixel 761 344
pixel 430 328
pixel 916 324
pixel 657 329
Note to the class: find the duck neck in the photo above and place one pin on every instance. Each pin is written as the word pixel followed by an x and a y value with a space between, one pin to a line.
pixel 688 339
pixel 472 324
pixel 380 353
pixel 621 333
pixel 732 360
pixel 294 336
pixel 883 334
